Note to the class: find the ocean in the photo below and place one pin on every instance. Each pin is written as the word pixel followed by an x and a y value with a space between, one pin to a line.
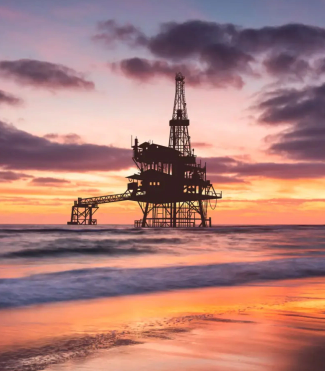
pixel 90 297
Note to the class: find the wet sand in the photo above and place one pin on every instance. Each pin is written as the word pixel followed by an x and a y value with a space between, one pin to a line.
pixel 267 326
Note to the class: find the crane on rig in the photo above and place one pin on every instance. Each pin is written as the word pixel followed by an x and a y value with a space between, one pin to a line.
pixel 170 186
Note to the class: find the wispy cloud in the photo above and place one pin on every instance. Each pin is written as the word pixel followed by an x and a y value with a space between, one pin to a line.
pixel 10 176
pixel 7 98
pixel 21 150
pixel 303 110
pixel 218 54
pixel 44 74
pixel 49 181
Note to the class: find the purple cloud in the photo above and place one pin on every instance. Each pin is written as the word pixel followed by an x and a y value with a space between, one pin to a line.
pixel 10 176
pixel 110 32
pixel 20 150
pixel 290 65
pixel 49 181
pixel 10 99
pixel 303 110
pixel 240 170
pixel 44 74
pixel 219 54
pixel 143 69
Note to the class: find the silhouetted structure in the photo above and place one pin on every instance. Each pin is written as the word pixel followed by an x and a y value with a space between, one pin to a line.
pixel 170 187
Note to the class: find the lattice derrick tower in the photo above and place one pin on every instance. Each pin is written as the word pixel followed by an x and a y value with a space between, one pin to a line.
pixel 179 138
pixel 187 190
pixel 170 187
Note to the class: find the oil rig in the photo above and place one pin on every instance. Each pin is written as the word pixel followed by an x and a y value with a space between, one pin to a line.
pixel 170 186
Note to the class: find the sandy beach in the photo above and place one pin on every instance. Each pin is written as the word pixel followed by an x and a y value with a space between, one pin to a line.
pixel 276 326
pixel 226 298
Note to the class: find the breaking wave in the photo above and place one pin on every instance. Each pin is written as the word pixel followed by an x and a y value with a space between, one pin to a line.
pixel 98 250
pixel 107 282
pixel 127 230
pixel 72 230
pixel 68 247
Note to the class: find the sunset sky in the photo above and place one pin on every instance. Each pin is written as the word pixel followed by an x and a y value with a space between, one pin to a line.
pixel 78 78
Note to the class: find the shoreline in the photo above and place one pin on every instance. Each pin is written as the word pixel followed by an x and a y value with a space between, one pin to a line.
pixel 43 337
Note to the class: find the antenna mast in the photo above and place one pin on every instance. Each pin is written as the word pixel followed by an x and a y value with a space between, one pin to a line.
pixel 179 138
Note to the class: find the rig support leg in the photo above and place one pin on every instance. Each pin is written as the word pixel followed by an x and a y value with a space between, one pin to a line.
pixel 174 215
pixel 145 214
pixel 203 220
pixel 83 214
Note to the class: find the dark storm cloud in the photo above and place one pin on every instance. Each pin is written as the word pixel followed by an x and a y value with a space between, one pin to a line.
pixel 223 54
pixel 21 151
pixel 304 111
pixel 44 74
pixel 10 176
pixel 48 181
pixel 10 99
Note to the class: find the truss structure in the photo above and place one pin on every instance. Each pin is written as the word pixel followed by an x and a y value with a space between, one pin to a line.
pixel 171 186
pixel 83 215
pixel 179 138
pixel 187 214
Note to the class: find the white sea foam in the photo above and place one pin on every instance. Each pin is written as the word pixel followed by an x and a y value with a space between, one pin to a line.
pixel 106 282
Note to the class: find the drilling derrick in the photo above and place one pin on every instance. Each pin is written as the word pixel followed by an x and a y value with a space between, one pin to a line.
pixel 179 138
pixel 170 186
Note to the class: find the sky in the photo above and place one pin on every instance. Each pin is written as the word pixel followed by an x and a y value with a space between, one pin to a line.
pixel 79 78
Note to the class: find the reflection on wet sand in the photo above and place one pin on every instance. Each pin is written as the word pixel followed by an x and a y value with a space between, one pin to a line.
pixel 279 326
pixel 107 298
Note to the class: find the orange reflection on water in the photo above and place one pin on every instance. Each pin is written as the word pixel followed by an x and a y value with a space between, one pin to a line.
pixel 43 322
pixel 259 328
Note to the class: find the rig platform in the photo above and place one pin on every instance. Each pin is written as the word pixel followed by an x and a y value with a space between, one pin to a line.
pixel 170 186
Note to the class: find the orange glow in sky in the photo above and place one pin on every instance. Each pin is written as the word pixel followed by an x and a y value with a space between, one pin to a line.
pixel 101 99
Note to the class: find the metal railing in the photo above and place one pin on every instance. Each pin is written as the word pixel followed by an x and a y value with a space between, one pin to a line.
pixel 104 199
